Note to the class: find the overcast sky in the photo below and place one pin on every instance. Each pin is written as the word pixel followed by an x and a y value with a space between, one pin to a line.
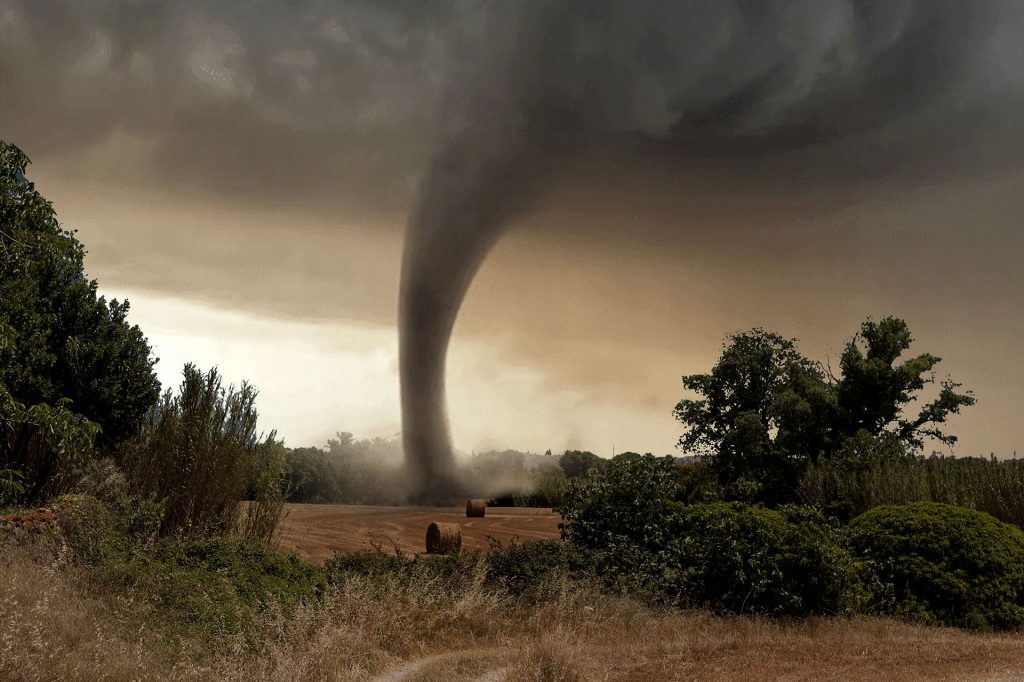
pixel 243 173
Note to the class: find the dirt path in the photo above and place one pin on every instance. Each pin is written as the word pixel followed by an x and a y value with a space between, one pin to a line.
pixel 317 531
pixel 478 665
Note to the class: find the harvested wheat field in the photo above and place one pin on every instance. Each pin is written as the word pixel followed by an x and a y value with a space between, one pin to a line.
pixel 317 531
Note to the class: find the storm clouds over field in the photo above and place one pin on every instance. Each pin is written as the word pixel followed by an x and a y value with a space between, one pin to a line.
pixel 799 169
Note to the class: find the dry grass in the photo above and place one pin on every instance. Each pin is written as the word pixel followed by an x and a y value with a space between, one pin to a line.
pixel 52 627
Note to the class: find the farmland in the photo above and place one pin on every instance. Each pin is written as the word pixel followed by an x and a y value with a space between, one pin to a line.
pixel 317 531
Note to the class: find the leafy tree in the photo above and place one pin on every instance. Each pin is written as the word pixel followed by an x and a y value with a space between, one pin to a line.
pixel 760 379
pixel 765 412
pixel 576 463
pixel 875 388
pixel 58 339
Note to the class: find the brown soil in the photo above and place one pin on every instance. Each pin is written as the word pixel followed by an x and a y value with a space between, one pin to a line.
pixel 317 531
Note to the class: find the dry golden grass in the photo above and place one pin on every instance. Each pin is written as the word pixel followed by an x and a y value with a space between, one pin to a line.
pixel 52 627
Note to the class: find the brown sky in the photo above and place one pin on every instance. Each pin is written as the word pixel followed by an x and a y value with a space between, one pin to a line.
pixel 247 189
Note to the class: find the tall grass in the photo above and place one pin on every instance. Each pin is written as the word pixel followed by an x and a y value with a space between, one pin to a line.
pixel 200 453
pixel 987 485
pixel 53 625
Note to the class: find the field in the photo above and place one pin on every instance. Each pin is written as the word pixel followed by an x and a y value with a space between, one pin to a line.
pixel 317 531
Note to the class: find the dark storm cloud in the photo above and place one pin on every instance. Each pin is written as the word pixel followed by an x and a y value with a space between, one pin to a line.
pixel 241 98
pixel 484 107
pixel 799 93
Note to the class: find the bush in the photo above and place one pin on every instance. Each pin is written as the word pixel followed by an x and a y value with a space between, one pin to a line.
pixel 200 454
pixel 625 499
pixel 42 448
pixel 728 557
pixel 738 559
pixel 208 587
pixel 943 565
pixel 534 569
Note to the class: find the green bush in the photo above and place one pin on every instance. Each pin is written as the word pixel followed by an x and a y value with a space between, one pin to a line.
pixel 943 565
pixel 208 587
pixel 737 559
pixel 43 447
pixel 623 500
pixel 200 453
pixel 727 557
pixel 533 569
pixel 522 569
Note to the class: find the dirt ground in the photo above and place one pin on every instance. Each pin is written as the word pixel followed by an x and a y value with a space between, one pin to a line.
pixel 317 531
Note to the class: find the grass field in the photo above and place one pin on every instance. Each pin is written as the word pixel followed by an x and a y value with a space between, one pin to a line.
pixel 317 531
pixel 59 622
pixel 54 627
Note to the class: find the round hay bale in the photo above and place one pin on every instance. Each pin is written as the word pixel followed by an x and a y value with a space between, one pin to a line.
pixel 476 508
pixel 443 538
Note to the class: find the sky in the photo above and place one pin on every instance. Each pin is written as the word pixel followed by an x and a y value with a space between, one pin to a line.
pixel 244 174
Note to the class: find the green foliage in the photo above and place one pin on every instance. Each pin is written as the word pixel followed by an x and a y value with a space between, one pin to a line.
pixel 697 483
pixel 547 488
pixel 760 384
pixel 208 587
pixel 765 413
pixel 875 389
pixel 532 570
pixel 627 499
pixel 576 463
pixel 58 339
pixel 349 471
pixel 11 486
pixel 526 570
pixel 943 565
pixel 847 487
pixel 728 557
pixel 44 445
pixel 200 454
pixel 737 559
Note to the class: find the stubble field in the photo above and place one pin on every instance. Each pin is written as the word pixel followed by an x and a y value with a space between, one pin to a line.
pixel 317 531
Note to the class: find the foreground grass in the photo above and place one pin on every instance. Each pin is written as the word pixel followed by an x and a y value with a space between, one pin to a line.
pixel 57 621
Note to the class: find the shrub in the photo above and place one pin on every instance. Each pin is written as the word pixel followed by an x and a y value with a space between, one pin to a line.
pixel 534 569
pixel 199 453
pixel 728 557
pixel 44 445
pixel 734 558
pixel 208 587
pixel 943 565
pixel 625 499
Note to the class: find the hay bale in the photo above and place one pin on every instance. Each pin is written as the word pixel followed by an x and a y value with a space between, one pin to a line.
pixel 443 538
pixel 476 508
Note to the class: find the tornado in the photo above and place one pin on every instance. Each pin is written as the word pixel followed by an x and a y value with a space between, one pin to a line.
pixel 690 82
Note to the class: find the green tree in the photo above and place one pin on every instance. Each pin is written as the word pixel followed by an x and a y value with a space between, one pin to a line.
pixel 58 338
pixel 765 412
pixel 739 422
pixel 876 388
pixel 576 463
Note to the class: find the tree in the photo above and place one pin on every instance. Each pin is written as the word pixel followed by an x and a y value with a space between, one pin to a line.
pixel 759 379
pixel 576 463
pixel 875 388
pixel 58 338
pixel 765 411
